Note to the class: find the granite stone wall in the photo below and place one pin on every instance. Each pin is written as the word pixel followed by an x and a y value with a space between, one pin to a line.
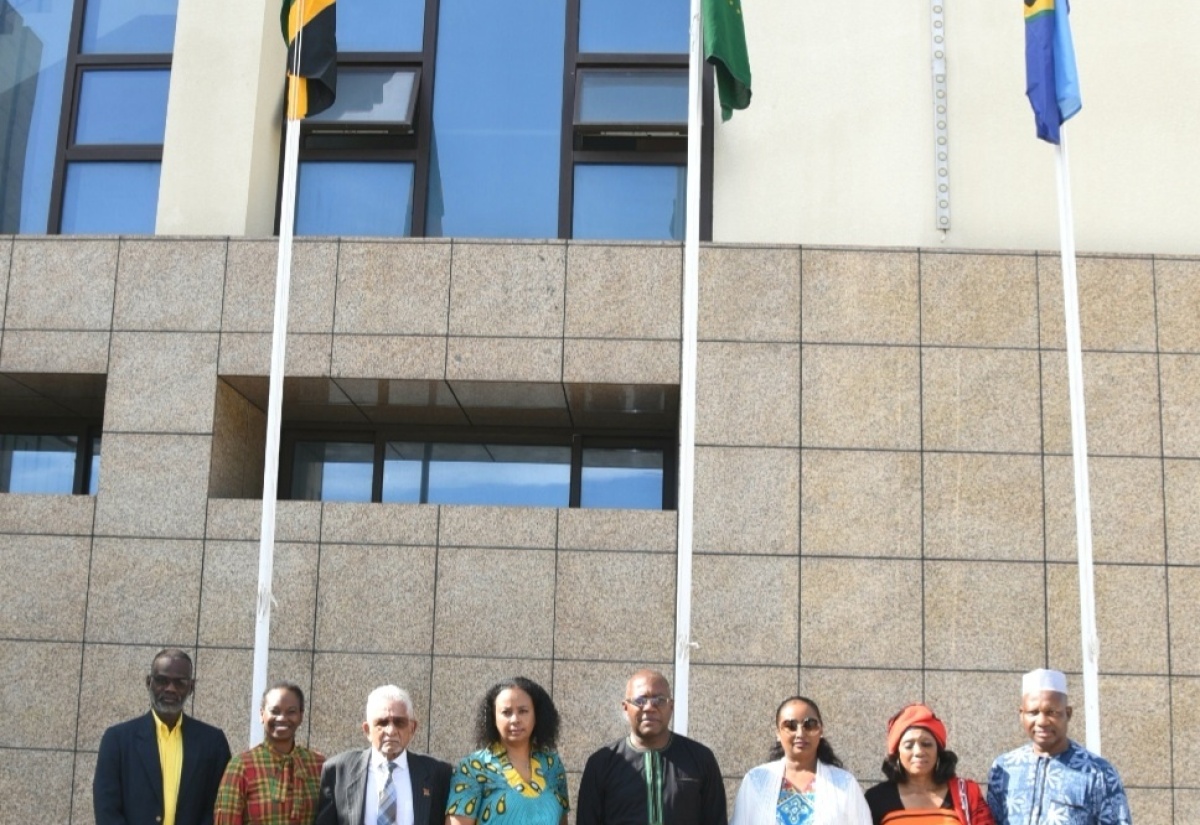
pixel 884 497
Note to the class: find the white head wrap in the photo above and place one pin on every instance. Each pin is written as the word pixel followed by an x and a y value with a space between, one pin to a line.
pixel 1036 681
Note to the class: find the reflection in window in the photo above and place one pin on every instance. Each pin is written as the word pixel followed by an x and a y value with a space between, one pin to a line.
pixel 111 197
pixel 127 106
pixel 642 202
pixel 33 42
pixel 632 26
pixel 380 26
pixel 354 198
pixel 129 27
pixel 332 471
pixel 622 478
pixel 496 474
pixel 633 96
pixel 47 463
pixel 497 119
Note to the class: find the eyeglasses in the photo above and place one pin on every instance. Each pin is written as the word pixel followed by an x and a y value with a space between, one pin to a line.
pixel 809 724
pixel 160 681
pixel 643 702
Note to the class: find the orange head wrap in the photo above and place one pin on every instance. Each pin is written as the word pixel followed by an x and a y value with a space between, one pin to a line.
pixel 914 716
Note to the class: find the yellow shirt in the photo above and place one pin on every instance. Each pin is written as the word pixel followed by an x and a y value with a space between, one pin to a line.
pixel 170 758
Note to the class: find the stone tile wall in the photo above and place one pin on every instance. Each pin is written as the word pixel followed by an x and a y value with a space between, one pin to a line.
pixel 884 497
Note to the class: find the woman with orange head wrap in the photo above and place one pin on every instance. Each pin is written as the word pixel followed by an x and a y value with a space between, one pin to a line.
pixel 921 786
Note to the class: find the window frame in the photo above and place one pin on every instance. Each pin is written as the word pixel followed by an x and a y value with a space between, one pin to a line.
pixel 412 146
pixel 577 440
pixel 67 150
pixel 85 431
pixel 572 153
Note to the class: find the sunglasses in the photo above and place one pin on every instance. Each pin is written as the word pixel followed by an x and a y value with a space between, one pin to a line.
pixel 808 724
pixel 642 702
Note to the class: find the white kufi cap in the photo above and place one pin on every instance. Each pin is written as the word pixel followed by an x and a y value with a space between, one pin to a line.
pixel 1036 681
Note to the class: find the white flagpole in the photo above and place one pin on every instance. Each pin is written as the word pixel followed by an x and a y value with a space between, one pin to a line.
pixel 687 377
pixel 1083 507
pixel 266 549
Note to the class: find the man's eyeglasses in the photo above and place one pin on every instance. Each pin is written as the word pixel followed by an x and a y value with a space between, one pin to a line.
pixel 808 724
pixel 643 702
pixel 160 681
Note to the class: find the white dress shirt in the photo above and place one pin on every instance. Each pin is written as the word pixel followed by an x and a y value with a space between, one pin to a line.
pixel 377 771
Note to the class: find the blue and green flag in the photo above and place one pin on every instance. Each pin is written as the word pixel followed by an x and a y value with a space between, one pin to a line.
pixel 310 29
pixel 725 48
pixel 1051 80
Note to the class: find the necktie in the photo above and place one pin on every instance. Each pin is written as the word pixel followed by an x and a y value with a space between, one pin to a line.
pixel 387 799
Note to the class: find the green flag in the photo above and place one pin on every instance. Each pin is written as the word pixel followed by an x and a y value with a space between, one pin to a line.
pixel 725 48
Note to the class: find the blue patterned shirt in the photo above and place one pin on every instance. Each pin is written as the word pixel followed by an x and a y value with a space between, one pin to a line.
pixel 1076 787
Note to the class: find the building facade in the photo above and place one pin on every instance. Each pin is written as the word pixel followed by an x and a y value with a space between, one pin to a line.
pixel 884 505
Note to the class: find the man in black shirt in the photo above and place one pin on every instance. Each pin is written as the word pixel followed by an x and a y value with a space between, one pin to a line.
pixel 653 776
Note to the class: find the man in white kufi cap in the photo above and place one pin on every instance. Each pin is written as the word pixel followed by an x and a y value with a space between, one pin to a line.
pixel 1053 780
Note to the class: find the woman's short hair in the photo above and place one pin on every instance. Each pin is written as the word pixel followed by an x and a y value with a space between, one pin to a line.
pixel 943 768
pixel 290 687
pixel 824 749
pixel 545 715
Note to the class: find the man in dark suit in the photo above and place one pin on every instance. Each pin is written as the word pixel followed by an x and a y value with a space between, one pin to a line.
pixel 162 768
pixel 385 783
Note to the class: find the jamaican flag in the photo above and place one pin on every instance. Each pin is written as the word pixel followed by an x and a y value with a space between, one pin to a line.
pixel 309 27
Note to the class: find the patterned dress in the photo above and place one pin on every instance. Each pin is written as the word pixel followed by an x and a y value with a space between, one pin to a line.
pixel 485 786
pixel 796 807
pixel 262 787
pixel 1076 787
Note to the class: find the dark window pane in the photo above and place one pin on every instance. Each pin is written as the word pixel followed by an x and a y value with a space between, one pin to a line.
pixel 380 26
pixel 129 27
pixel 37 463
pixel 634 26
pixel 627 202
pixel 354 198
pixel 33 50
pixel 633 96
pixel 497 113
pixel 626 478
pixel 126 106
pixel 372 96
pixel 111 197
pixel 500 474
pixel 402 463
pixel 332 471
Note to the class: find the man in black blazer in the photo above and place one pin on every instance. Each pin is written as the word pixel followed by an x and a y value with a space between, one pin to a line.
pixel 129 787
pixel 351 782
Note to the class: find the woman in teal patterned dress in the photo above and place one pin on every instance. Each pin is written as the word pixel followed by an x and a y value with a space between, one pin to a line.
pixel 516 776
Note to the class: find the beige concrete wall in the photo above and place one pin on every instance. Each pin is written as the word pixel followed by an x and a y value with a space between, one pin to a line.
pixel 883 498
pixel 837 146
pixel 220 168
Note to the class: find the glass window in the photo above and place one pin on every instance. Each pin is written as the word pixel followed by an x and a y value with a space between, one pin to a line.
pixel 332 471
pixel 403 471
pixel 634 26
pixel 33 56
pixel 354 198
pixel 111 197
pixel 497 119
pixel 624 478
pixel 500 474
pixel 626 201
pixel 123 106
pixel 372 96
pixel 380 26
pixel 93 479
pixel 38 463
pixel 129 27
pixel 632 96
